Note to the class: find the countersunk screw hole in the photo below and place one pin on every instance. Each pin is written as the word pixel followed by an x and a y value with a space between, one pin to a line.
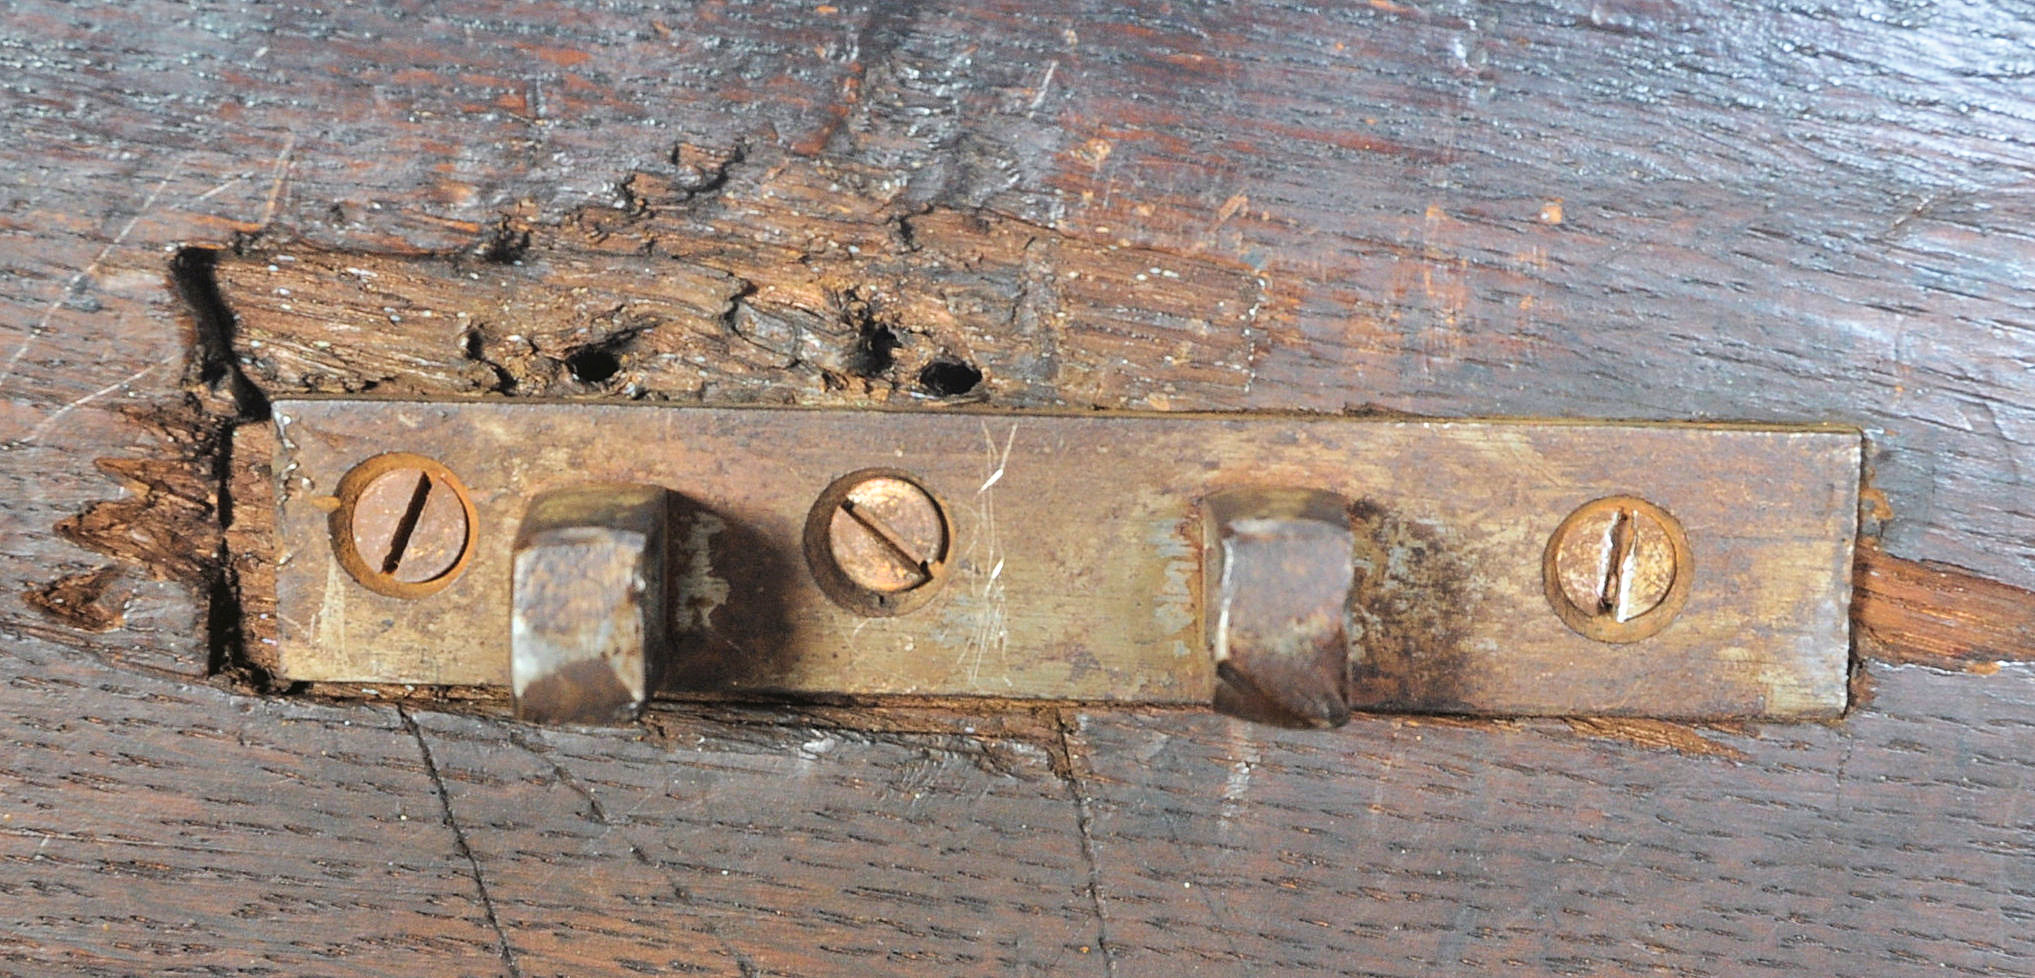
pixel 877 542
pixel 1618 569
pixel 403 525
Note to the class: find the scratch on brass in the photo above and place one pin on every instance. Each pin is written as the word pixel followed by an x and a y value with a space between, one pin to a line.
pixel 990 631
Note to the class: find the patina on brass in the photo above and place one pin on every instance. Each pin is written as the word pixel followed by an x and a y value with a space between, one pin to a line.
pixel 1074 558
pixel 1618 569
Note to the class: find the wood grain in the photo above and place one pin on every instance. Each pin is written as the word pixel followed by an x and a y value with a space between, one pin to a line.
pixel 1935 614
pixel 1402 848
pixel 924 853
pixel 768 277
pixel 1799 212
pixel 156 827
pixel 1469 208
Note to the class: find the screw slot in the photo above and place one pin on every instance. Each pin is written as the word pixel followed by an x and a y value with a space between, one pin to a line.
pixel 877 542
pixel 404 525
pixel 1618 569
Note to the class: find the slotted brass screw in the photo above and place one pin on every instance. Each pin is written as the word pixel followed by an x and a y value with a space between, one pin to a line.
pixel 876 540
pixel 404 524
pixel 1618 569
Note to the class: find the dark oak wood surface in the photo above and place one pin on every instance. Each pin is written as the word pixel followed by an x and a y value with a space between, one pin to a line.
pixel 1625 208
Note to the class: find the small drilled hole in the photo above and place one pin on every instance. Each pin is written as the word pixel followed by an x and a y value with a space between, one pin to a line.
pixel 947 377
pixel 592 365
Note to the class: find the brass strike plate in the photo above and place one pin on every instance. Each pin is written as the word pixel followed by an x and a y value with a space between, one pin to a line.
pixel 1062 558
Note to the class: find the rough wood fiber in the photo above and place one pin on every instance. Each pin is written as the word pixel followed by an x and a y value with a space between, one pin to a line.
pixel 775 278
pixel 1935 614
pixel 1791 211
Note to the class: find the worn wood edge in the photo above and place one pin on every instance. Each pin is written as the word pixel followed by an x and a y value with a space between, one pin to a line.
pixel 1921 612
pixel 89 601
pixel 170 519
pixel 250 543
pixel 753 275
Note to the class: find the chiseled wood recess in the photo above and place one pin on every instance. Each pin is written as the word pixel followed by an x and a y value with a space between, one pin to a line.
pixel 1624 208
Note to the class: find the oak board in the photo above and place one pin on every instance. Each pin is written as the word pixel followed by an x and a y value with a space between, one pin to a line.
pixel 1782 211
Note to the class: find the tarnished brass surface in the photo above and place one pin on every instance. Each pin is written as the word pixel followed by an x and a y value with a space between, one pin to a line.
pixel 1618 569
pixel 1074 567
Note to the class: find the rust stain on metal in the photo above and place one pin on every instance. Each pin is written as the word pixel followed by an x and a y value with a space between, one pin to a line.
pixel 877 542
pixel 1072 569
pixel 402 525
pixel 1415 583
pixel 1276 572
pixel 588 616
pixel 410 527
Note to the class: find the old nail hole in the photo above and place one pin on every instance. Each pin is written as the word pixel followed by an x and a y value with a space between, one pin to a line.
pixel 875 350
pixel 949 377
pixel 505 245
pixel 592 364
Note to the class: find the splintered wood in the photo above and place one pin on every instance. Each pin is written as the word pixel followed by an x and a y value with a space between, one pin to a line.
pixel 821 283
